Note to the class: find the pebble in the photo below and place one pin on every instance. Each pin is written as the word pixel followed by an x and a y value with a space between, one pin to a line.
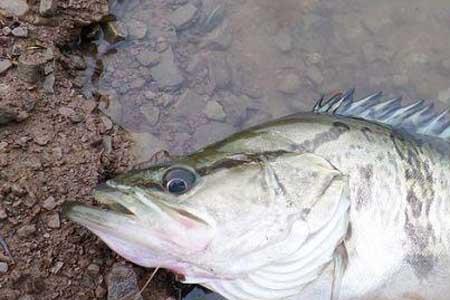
pixel 166 73
pixel 6 30
pixel 49 83
pixel 283 41
pixel 235 107
pixel 5 64
pixel 26 297
pixel 183 16
pixel 220 39
pixel 26 230
pixel 290 84
pixel 444 96
pixel 15 7
pixel 42 139
pixel 21 32
pixel 214 111
pixel 136 30
pixel 49 203
pixel 53 221
pixel 144 145
pixel 211 132
pixel 3 267
pixel 115 31
pixel 31 65
pixel 122 283
pixel 314 74
pixel 3 214
pixel 47 8
pixel 100 292
pixel 151 113
pixel 93 270
pixel 219 71
pixel 148 58
pixel 57 267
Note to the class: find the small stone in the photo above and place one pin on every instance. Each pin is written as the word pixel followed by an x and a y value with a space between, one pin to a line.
pixel 283 41
pixel 47 8
pixel 100 292
pixel 26 230
pixel 57 267
pixel 144 145
pixel 93 270
pixel 183 16
pixel 6 30
pixel 31 65
pixel 107 123
pixel 107 144
pixel 77 62
pixel 115 31
pixel 314 74
pixel 42 139
pixel 166 73
pixel 151 113
pixel 21 32
pixel 3 214
pixel 49 203
pixel 150 95
pixel 444 96
pixel 5 64
pixel 214 111
pixel 148 58
pixel 3 267
pixel 137 83
pixel 219 71
pixel 49 83
pixel 136 29
pixel 219 39
pixel 290 84
pixel 26 297
pixel 209 133
pixel 236 108
pixel 14 7
pixel 53 221
pixel 122 283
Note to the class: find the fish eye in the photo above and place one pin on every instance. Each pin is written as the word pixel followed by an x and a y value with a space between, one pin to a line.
pixel 179 180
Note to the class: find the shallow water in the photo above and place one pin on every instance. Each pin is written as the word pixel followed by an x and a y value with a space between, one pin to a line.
pixel 189 72
pixel 231 64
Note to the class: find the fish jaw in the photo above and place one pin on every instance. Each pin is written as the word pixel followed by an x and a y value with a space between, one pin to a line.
pixel 143 231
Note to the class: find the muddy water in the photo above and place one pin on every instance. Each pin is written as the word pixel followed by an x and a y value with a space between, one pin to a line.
pixel 179 74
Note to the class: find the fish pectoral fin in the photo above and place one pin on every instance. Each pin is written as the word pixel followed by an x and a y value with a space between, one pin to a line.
pixel 340 261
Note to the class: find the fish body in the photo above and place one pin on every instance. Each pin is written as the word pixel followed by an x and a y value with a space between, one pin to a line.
pixel 316 205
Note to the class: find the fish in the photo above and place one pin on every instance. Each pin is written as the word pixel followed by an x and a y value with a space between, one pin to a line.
pixel 348 201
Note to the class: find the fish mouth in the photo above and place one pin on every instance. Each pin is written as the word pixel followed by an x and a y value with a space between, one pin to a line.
pixel 142 226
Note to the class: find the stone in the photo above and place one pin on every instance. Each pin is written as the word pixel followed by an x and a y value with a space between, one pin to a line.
pixel 444 96
pixel 219 71
pixel 93 270
pixel 21 32
pixel 235 108
pixel 144 145
pixel 3 267
pixel 26 230
pixel 290 84
pixel 148 58
pixel 3 214
pixel 400 80
pixel 183 16
pixel 26 297
pixel 112 108
pixel 57 267
pixel 47 8
pixel 53 221
pixel 100 292
pixel 122 283
pixel 136 29
pixel 6 30
pixel 31 65
pixel 115 31
pixel 151 113
pixel 5 64
pixel 283 41
pixel 49 203
pixel 211 132
pixel 314 74
pixel 220 39
pixel 49 83
pixel 166 73
pixel 14 7
pixel 188 104
pixel 214 111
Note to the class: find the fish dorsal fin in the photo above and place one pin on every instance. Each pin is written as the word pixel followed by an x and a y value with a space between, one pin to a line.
pixel 417 118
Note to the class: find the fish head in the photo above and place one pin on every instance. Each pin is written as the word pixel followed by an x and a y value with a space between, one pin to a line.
pixel 217 215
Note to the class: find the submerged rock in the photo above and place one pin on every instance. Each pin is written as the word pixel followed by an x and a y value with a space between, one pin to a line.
pixel 283 41
pixel 136 29
pixel 31 65
pixel 290 84
pixel 214 111
pixel 20 31
pixel 47 8
pixel 115 31
pixel 166 73
pixel 183 16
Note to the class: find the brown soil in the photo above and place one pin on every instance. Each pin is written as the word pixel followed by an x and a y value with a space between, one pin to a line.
pixel 58 149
